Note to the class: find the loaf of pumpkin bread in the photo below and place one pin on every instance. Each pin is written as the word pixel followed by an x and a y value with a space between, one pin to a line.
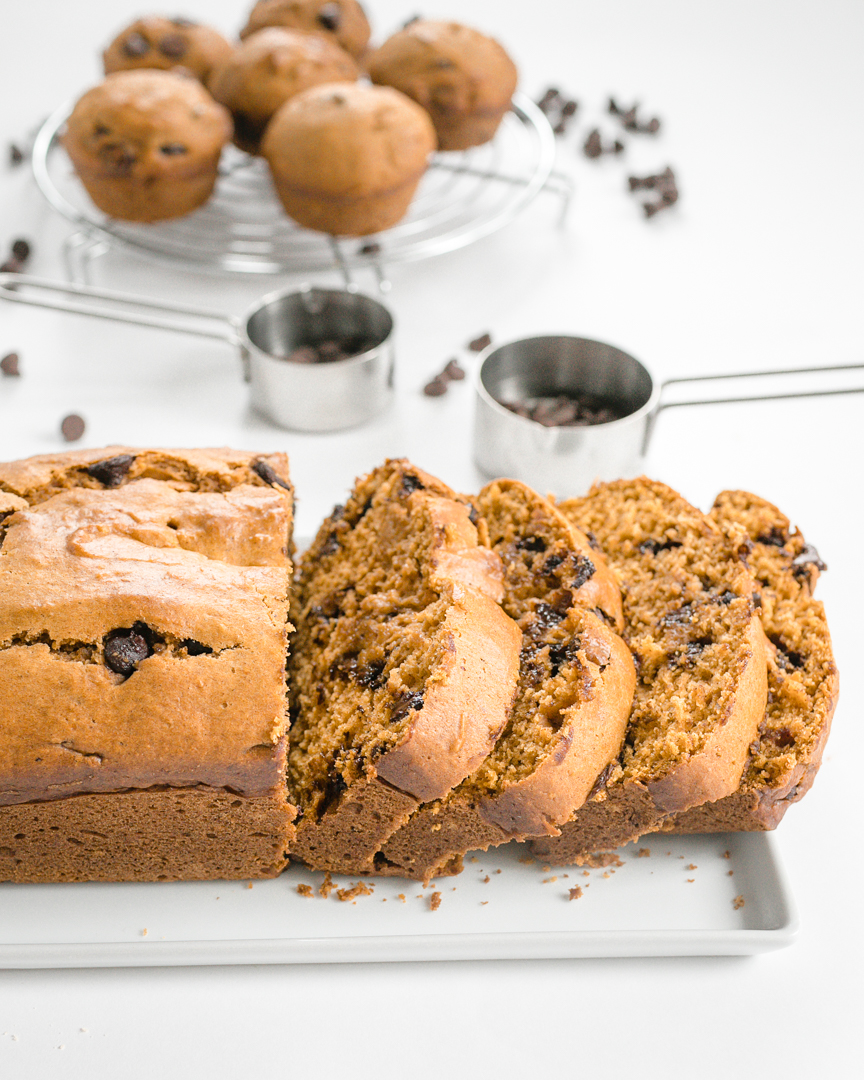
pixel 143 635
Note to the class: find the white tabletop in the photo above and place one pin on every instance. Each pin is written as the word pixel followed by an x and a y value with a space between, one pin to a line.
pixel 758 266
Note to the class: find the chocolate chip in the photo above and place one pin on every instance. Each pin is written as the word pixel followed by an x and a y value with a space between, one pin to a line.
pixel 577 410
pixel 405 703
pixel 653 546
pixel 411 483
pixel 269 475
pixel 330 16
pixel 369 249
pixel 593 146
pixel 10 266
pixel 480 343
pixel 569 108
pixel 9 365
pixel 531 543
pixel 16 155
pixel 453 371
pixel 72 427
pixel 436 387
pixel 135 45
pixel 21 250
pixel 173 46
pixel 781 738
pixel 549 99
pixel 173 149
pixel 111 471
pixel 584 571
pixel 124 650
pixel 808 557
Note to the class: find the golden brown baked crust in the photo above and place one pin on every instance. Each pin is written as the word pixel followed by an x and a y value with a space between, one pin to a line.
pixel 691 623
pixel 143 634
pixel 146 144
pixel 347 158
pixel 155 42
pixel 803 683
pixel 463 79
pixel 440 716
pixel 344 20
pixel 572 701
pixel 271 67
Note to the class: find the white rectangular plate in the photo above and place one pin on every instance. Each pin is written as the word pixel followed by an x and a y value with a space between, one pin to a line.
pixel 682 899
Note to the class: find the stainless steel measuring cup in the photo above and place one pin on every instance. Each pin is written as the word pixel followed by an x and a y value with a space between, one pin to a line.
pixel 567 460
pixel 301 397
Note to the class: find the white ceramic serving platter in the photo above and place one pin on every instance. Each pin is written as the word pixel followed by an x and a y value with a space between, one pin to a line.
pixel 682 899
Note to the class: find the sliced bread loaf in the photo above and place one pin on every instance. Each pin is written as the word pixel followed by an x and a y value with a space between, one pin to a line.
pixel 575 689
pixel 802 676
pixel 404 665
pixel 700 657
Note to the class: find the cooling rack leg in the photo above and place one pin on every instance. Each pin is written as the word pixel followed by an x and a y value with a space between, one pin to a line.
pixel 79 251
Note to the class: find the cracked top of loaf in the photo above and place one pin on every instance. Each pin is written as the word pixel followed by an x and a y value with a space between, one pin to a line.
pixel 143 621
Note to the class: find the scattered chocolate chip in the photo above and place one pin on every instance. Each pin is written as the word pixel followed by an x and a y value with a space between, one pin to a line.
pixel 16 155
pixel 72 427
pixel 436 387
pixel 21 250
pixel 453 371
pixel 111 471
pixel 269 475
pixel 173 149
pixel 135 45
pixel 480 343
pixel 371 248
pixel 11 266
pixel 663 183
pixel 549 99
pixel 330 16
pixel 594 148
pixel 560 128
pixel 569 108
pixel 9 365
pixel 173 46
pixel 124 650
pixel 630 120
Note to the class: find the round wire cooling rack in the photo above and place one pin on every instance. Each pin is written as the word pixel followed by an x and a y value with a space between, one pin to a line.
pixel 464 196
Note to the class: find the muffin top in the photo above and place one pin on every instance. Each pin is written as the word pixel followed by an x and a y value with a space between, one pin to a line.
pixel 345 20
pixel 156 42
pixel 445 66
pixel 138 122
pixel 269 68
pixel 349 139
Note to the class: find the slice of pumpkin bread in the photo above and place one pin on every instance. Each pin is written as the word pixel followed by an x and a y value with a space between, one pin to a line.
pixel 404 664
pixel 700 658
pixel 802 676
pixel 576 684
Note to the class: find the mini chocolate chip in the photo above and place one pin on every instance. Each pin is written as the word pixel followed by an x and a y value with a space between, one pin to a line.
pixel 652 547
pixel 330 16
pixel 72 427
pixel 480 343
pixel 21 250
pixel 124 650
pixel 111 471
pixel 135 45
pixel 173 149
pixel 453 371
pixel 268 474
pixel 369 249
pixel 411 483
pixel 173 46
pixel 16 155
pixel 436 387
pixel 9 365
pixel 569 108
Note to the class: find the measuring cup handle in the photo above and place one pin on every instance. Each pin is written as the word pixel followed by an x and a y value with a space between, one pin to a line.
pixel 116 307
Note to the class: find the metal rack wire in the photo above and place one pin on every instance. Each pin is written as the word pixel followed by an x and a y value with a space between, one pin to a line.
pixel 242 229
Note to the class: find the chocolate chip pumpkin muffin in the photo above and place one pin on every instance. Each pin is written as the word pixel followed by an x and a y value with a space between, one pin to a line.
pixel 146 144
pixel 463 79
pixel 344 20
pixel 155 42
pixel 347 158
pixel 271 67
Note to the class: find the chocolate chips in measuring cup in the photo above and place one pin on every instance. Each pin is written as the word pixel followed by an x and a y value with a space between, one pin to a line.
pixel 565 410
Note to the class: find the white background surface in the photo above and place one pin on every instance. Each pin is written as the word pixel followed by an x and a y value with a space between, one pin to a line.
pixel 759 265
